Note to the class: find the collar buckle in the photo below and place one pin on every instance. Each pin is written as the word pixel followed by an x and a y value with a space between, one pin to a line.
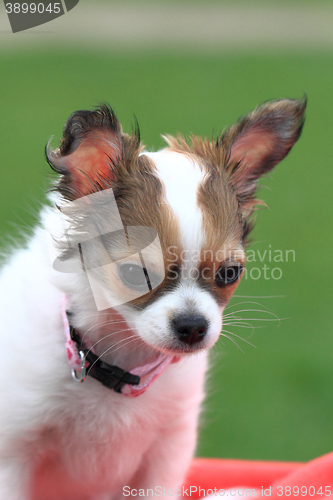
pixel 110 376
pixel 83 372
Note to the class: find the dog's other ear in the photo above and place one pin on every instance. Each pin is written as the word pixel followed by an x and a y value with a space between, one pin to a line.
pixel 258 142
pixel 92 144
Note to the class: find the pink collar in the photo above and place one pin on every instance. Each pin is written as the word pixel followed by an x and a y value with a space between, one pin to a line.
pixel 148 373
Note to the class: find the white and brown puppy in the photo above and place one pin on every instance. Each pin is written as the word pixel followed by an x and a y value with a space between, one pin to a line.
pixel 141 319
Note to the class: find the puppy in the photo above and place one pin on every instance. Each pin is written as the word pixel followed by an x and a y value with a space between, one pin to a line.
pixel 122 288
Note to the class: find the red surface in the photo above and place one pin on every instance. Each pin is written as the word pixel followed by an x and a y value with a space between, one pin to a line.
pixel 306 480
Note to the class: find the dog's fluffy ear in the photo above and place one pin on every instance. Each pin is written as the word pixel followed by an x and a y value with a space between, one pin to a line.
pixel 258 142
pixel 91 146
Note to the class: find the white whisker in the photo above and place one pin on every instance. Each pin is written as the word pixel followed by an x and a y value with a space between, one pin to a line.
pixel 132 337
pixel 245 325
pixel 232 340
pixel 246 302
pixel 251 310
pixel 239 337
pixel 103 324
pixel 109 335
pixel 238 324
pixel 260 296
pixel 262 319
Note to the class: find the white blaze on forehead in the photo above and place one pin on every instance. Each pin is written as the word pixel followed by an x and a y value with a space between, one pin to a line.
pixel 181 178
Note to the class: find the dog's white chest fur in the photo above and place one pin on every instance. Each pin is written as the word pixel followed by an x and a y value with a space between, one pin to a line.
pixel 95 434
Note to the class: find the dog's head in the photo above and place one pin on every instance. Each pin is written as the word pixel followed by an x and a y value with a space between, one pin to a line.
pixel 177 250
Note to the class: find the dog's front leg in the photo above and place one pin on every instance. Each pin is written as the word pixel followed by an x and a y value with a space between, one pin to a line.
pixel 14 479
pixel 165 464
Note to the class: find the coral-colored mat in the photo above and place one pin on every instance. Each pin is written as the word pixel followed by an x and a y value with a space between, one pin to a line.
pixel 276 480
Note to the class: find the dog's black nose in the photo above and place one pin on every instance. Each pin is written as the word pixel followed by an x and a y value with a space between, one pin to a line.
pixel 190 329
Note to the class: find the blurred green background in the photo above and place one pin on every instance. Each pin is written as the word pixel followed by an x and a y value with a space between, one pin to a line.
pixel 274 401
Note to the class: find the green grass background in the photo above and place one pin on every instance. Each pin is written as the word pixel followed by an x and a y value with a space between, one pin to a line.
pixel 274 401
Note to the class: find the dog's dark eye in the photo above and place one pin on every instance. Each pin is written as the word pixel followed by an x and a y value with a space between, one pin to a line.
pixel 133 275
pixel 228 275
